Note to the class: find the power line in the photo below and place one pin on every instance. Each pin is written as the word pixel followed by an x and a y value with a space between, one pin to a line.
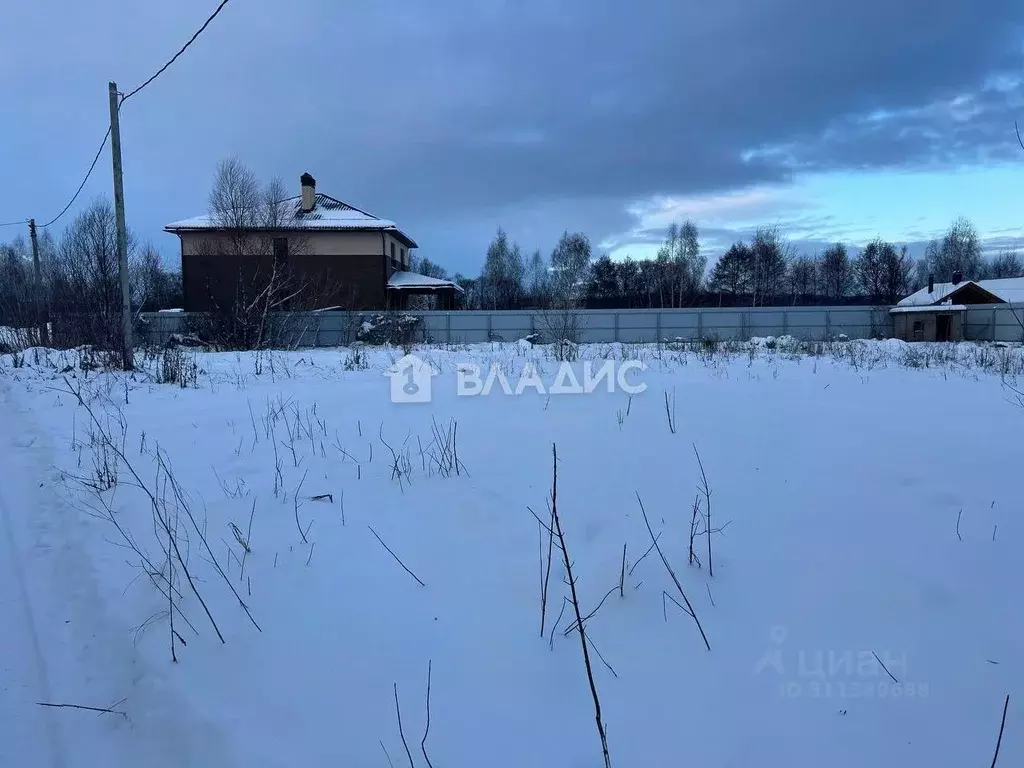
pixel 175 56
pixel 14 223
pixel 124 98
pixel 82 185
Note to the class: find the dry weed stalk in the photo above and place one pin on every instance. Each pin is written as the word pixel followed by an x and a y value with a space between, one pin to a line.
pixel 689 607
pixel 401 727
pixel 401 462
pixel 670 411
pixel 558 533
pixel 102 710
pixel 165 509
pixel 694 529
pixel 396 557
pixel 706 490
pixel 1002 726
pixel 545 572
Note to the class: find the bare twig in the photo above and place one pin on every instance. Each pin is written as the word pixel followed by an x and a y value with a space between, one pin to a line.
pixel 706 490
pixel 645 554
pixel 248 539
pixel 1002 725
pixel 182 504
pixel 670 411
pixel 401 731
pixel 576 607
pixel 693 530
pixel 546 576
pixel 103 710
pixel 295 502
pixel 958 516
pixel 601 657
pixel 890 674
pixel 672 573
pixel 426 729
pixel 622 573
pixel 558 620
pixel 170 596
pixel 590 615
pixel 397 559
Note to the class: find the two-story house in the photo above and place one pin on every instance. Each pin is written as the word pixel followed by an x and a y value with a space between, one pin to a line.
pixel 333 254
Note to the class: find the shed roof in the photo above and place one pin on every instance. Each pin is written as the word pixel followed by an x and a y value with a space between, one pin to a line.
pixel 414 280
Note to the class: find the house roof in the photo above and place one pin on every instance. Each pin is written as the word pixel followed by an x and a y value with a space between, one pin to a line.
pixel 928 308
pixel 328 215
pixel 413 280
pixel 1009 289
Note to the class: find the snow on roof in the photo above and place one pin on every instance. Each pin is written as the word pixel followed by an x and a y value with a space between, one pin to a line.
pixel 401 280
pixel 1009 289
pixel 328 214
pixel 928 308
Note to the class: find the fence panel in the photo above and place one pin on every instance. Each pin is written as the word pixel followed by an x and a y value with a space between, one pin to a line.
pixel 611 325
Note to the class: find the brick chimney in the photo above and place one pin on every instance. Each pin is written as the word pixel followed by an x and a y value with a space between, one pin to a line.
pixel 958 277
pixel 931 283
pixel 308 201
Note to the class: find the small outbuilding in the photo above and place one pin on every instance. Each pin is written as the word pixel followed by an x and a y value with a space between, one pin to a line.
pixel 937 313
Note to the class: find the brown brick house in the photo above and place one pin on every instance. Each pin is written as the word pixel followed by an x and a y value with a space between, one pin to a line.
pixel 335 255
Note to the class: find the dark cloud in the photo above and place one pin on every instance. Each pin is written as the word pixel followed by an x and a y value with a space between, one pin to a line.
pixel 454 117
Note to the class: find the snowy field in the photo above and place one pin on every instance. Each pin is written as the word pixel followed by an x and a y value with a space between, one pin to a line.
pixel 266 562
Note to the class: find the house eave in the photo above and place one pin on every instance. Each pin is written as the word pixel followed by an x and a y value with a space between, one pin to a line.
pixel 398 234
pixel 937 308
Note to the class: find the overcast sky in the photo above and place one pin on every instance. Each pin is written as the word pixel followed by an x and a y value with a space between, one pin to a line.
pixel 834 120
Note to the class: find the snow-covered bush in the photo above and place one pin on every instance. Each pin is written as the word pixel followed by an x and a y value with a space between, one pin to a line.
pixel 397 329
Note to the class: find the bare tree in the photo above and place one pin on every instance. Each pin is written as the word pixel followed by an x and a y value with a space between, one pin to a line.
pixel 501 280
pixel 84 282
pixel 570 268
pixel 836 272
pixel 959 250
pixel 770 256
pixel 259 234
pixel 680 265
pixel 539 276
pixel 1006 264
pixel 869 269
pixel 803 279
pixel 563 323
pixel 15 284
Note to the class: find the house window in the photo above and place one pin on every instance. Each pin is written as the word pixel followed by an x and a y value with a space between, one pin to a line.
pixel 918 330
pixel 392 251
pixel 280 250
pixel 404 263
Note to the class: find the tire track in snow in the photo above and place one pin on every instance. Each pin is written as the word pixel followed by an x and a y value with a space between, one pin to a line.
pixel 29 631
pixel 94 659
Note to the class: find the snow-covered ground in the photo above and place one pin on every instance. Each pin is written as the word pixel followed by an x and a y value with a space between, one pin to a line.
pixel 864 606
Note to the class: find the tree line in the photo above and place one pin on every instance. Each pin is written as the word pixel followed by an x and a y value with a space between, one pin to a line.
pixel 80 288
pixel 765 270
pixel 80 275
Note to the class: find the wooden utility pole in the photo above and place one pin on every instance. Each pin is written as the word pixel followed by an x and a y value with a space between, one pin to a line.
pixel 122 235
pixel 37 288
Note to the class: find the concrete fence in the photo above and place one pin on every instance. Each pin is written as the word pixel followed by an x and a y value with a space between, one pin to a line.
pixel 327 329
